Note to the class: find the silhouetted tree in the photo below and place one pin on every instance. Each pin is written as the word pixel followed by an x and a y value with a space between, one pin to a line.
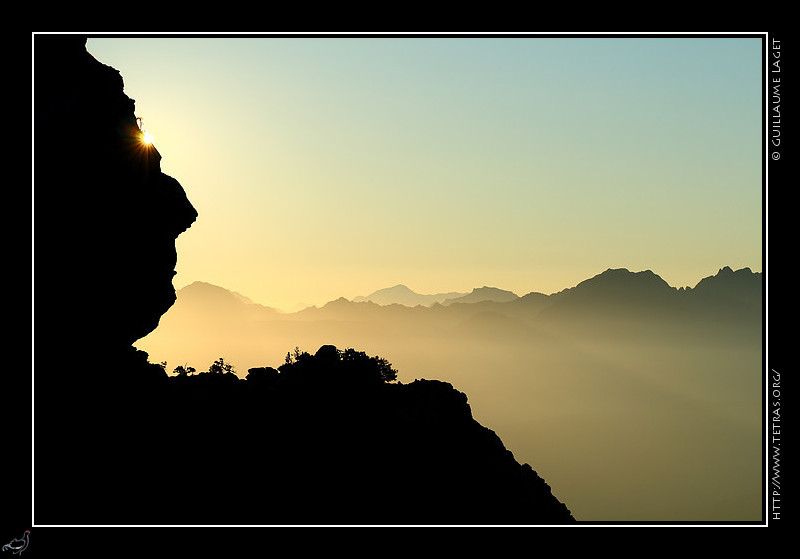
pixel 385 369
pixel 183 371
pixel 219 367
pixel 377 368
pixel 293 357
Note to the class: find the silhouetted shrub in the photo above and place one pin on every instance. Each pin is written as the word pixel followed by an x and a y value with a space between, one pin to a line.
pixel 373 368
pixel 219 367
pixel 330 366
pixel 183 371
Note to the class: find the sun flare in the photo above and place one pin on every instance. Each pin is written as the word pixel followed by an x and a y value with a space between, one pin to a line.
pixel 147 138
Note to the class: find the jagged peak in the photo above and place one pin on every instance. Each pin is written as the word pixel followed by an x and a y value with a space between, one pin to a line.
pixel 726 276
pixel 727 270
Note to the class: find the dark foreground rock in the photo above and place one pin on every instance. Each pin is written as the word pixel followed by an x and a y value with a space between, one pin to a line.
pixel 317 446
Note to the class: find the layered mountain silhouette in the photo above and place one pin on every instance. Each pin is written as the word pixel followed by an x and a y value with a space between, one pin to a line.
pixel 618 289
pixel 616 304
pixel 201 298
pixel 618 301
pixel 739 290
pixel 325 438
pixel 614 294
pixel 402 295
pixel 484 293
pixel 612 375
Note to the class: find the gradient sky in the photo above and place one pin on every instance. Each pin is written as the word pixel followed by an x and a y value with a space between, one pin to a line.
pixel 328 167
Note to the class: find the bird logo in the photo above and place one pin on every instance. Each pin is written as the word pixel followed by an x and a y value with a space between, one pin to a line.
pixel 17 546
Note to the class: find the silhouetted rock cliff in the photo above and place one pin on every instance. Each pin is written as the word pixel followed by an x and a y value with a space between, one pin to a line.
pixel 324 439
pixel 106 216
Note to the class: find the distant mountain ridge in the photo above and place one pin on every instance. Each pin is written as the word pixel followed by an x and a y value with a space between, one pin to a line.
pixel 612 283
pixel 733 286
pixel 624 342
pixel 617 289
pixel 401 294
pixel 484 293
pixel 203 293
pixel 613 303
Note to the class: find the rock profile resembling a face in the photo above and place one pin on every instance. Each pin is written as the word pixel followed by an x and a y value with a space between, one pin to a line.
pixel 106 217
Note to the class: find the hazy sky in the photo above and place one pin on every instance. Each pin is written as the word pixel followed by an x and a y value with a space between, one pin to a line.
pixel 328 167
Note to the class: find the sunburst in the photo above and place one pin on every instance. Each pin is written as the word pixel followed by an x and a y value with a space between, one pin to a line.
pixel 147 137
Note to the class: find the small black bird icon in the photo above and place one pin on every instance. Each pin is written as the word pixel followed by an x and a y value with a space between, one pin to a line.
pixel 17 546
